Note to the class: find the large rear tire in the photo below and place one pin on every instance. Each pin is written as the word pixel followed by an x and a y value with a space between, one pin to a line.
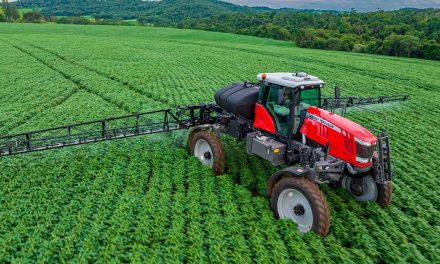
pixel 207 147
pixel 191 134
pixel 301 201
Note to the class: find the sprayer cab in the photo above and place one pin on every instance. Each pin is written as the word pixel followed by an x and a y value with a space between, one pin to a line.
pixel 282 98
pixel 289 105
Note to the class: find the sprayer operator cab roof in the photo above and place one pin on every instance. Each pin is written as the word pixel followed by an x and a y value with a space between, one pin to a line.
pixel 292 80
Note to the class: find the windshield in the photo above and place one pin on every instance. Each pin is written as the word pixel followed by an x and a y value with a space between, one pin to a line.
pixel 307 98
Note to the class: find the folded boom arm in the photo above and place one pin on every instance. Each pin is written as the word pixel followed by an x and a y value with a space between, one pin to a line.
pixel 331 104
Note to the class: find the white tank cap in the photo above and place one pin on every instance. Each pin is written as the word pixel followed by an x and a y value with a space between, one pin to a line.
pixel 300 74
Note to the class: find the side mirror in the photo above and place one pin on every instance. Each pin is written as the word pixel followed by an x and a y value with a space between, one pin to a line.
pixel 337 92
pixel 280 97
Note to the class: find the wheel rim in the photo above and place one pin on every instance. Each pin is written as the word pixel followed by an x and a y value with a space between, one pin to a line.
pixel 293 205
pixel 203 151
pixel 369 188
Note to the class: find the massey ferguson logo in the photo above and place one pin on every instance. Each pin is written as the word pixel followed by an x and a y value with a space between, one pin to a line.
pixel 324 122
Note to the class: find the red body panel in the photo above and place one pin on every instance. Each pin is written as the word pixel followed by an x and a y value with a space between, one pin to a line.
pixel 325 127
pixel 263 120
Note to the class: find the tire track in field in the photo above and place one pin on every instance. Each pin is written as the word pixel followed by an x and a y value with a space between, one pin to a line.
pixel 209 61
pixel 170 70
pixel 149 95
pixel 69 78
pixel 197 72
pixel 33 116
pixel 280 57
pixel 63 100
pixel 329 64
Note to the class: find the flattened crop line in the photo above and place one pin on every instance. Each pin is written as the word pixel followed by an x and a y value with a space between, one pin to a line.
pixel 74 91
pixel 103 74
pixel 330 64
pixel 63 100
pixel 67 77
pixel 220 69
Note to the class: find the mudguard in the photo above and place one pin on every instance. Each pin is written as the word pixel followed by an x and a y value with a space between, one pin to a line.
pixel 289 172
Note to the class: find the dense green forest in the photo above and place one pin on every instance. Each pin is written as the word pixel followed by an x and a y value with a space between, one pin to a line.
pixel 167 11
pixel 406 32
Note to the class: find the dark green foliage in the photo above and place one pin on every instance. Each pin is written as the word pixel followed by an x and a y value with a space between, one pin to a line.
pixel 10 11
pixel 170 11
pixel 74 20
pixel 33 17
pixel 407 33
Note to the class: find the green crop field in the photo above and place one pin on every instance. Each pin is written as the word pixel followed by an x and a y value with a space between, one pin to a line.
pixel 146 199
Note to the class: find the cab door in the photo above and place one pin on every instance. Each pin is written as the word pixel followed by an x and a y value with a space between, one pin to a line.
pixel 306 98
pixel 272 112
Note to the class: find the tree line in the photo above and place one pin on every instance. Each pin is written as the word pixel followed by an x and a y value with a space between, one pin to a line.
pixel 406 32
pixel 8 12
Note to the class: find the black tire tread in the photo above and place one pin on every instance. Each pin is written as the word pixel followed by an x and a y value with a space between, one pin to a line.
pixel 216 146
pixel 385 194
pixel 191 134
pixel 321 211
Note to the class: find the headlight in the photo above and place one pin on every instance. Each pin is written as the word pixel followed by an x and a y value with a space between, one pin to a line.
pixel 364 150
pixel 363 143
pixel 362 160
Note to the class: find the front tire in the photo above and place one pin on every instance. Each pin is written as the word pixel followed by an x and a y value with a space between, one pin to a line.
pixel 385 195
pixel 301 201
pixel 207 147
pixel 366 189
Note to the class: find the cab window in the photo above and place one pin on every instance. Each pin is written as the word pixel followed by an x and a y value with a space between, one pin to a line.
pixel 279 100
pixel 308 98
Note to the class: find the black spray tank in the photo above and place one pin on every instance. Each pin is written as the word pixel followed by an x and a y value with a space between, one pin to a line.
pixel 238 98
